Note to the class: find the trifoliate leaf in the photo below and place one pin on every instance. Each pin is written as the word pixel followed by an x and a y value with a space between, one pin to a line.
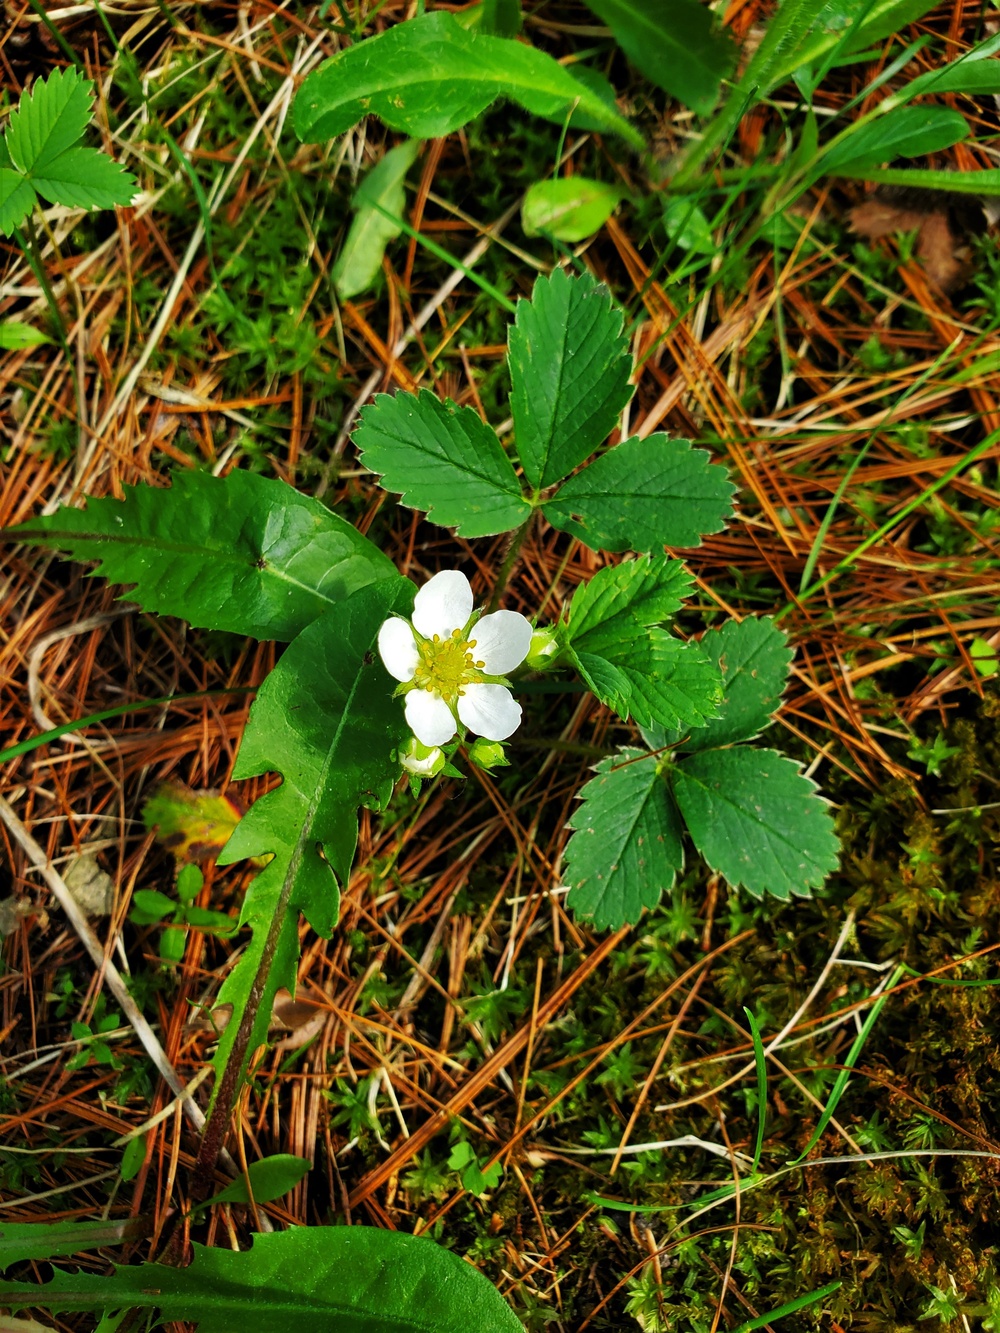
pixel 569 209
pixel 430 76
pixel 443 459
pixel 326 719
pixel 322 1279
pixel 757 821
pixel 17 198
pixel 360 258
pixel 569 370
pixel 644 495
pixel 49 119
pixel 609 610
pixel 626 848
pixel 84 178
pixel 754 657
pixel 243 553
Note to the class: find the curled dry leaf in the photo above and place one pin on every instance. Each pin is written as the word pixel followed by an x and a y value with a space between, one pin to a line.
pixel 940 236
pixel 293 1022
pixel 192 824
pixel 92 887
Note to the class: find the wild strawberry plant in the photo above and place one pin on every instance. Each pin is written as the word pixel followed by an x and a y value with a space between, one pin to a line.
pixel 381 679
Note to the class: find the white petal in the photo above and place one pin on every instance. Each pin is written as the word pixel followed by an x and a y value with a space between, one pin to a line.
pixel 489 710
pixel 398 649
pixel 500 642
pixel 443 604
pixel 429 717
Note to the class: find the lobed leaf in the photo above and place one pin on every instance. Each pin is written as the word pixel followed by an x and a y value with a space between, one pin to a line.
pixel 757 821
pixel 643 495
pixel 327 721
pixel 675 43
pixel 627 846
pixel 20 1241
pixel 753 657
pixel 360 258
pixel 569 369
pixel 430 76
pixel 443 459
pixel 324 1279
pixel 243 553
pixel 49 119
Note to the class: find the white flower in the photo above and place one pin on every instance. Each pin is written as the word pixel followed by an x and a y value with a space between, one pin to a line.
pixel 451 663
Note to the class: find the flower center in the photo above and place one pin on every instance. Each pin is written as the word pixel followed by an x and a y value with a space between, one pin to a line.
pixel 446 665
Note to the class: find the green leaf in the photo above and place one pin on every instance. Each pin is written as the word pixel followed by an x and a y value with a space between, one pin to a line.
pixel 676 44
pixel 149 906
pixel 326 719
pixel 49 119
pixel 976 72
pixel 569 209
pixel 15 336
pixel 643 495
pixel 668 682
pixel 605 681
pixel 855 23
pixel 242 553
pixel 753 657
pixel 569 369
pixel 672 683
pixel 609 611
pixel 20 1241
pixel 756 819
pixel 443 459
pixel 265 1180
pixel 84 178
pixel 429 76
pixel 500 17
pixel 984 182
pixel 360 258
pixel 133 1158
pixel 627 845
pixel 909 131
pixel 687 226
pixel 324 1279
pixel 17 198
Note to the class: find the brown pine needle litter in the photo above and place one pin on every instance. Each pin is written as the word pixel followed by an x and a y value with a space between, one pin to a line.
pixel 848 379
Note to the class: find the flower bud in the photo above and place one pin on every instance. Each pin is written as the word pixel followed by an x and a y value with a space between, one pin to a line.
pixel 488 754
pixel 543 648
pixel 423 761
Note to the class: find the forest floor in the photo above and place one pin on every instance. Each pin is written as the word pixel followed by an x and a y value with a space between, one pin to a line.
pixel 457 1001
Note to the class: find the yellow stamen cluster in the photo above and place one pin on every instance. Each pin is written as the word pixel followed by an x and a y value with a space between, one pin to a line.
pixel 446 665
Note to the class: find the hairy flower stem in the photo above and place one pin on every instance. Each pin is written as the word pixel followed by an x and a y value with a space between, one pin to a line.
pixel 509 562
pixel 217 1126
